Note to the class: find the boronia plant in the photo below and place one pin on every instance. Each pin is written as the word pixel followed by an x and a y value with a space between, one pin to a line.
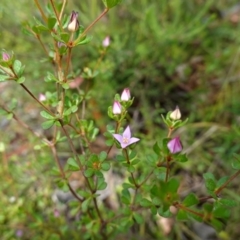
pixel 148 187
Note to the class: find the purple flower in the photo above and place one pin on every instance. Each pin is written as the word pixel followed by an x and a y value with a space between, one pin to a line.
pixel 19 233
pixel 175 145
pixel 125 139
pixel 5 57
pixel 117 108
pixel 106 41
pixel 126 95
pixel 74 23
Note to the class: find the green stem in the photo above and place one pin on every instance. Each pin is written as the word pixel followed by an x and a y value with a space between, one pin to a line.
pixel 128 161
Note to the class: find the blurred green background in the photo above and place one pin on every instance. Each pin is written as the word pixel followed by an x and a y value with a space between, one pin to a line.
pixel 168 52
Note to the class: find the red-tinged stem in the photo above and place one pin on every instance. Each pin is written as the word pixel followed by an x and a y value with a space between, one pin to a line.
pixel 180 206
pixel 218 191
pixel 92 24
pixel 40 10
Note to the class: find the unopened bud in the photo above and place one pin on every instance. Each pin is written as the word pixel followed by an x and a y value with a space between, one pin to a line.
pixel 126 95
pixel 117 108
pixel 176 114
pixel 106 41
pixel 74 23
pixel 5 56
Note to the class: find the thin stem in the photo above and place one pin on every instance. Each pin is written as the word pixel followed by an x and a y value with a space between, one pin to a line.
pixel 118 124
pixel 180 206
pixel 24 124
pixel 68 63
pixel 40 10
pixel 167 171
pixel 54 152
pixel 145 180
pixel 217 192
pixel 92 24
pixel 30 93
pixel 44 48
pixel 56 14
pixel 128 161
pixel 62 9
pixel 170 130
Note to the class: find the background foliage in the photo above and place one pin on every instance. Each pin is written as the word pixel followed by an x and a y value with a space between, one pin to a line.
pixel 168 53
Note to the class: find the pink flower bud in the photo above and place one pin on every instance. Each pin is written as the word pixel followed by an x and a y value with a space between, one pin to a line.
pixel 106 41
pixel 42 97
pixel 176 114
pixel 5 57
pixel 175 145
pixel 74 23
pixel 126 95
pixel 117 108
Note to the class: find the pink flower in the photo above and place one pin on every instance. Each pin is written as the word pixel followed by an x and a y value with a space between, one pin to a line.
pixel 175 145
pixel 106 41
pixel 126 95
pixel 74 23
pixel 125 139
pixel 117 108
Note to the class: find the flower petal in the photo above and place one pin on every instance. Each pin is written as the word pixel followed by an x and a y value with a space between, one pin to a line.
pixel 127 133
pixel 174 145
pixel 118 137
pixel 133 140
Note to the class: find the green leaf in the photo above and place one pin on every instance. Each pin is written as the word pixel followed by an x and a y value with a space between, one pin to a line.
pixel 73 164
pixel 74 108
pixel 85 204
pixel 126 197
pixel 182 215
pixel 217 224
pixel 82 41
pixel 145 203
pixel 105 166
pixel 131 169
pixel 190 200
pixel 21 80
pixel 138 217
pixel 47 124
pixel 221 181
pixel 51 22
pixel 102 156
pixel 236 164
pixel 210 184
pixel 111 3
pixel 101 185
pixel 3 78
pixel 89 172
pixel 194 216
pixel 46 115
pixel 17 65
pixel 156 149
pixel 9 116
pixel 221 212
pixel 228 202
pixel 181 158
